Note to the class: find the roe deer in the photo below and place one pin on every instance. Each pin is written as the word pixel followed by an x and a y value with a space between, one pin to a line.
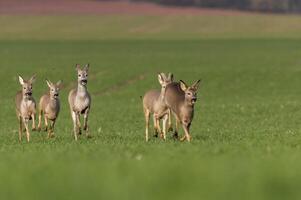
pixel 49 106
pixel 181 99
pixel 80 101
pixel 153 103
pixel 25 106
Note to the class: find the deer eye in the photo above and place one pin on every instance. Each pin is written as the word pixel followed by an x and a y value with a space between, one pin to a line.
pixel 79 75
pixel 189 94
pixel 24 88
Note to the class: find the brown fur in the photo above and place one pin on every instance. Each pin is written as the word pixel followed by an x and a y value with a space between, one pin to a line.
pixel 181 99
pixel 153 103
pixel 49 106
pixel 25 106
pixel 80 101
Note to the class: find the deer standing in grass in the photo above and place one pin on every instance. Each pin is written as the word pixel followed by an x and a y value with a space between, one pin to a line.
pixel 25 106
pixel 153 103
pixel 80 101
pixel 181 99
pixel 49 106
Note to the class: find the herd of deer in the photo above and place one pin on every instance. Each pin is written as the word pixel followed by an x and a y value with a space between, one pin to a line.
pixel 174 97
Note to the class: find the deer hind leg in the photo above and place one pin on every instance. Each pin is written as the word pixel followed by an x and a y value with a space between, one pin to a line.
pixel 33 117
pixel 169 129
pixel 20 128
pixel 147 116
pixel 40 120
pixel 165 119
pixel 25 121
pixel 73 115
pixel 86 127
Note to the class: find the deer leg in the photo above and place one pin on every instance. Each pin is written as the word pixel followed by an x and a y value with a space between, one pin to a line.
pixel 169 121
pixel 20 128
pixel 86 127
pixel 176 133
pixel 51 129
pixel 33 127
pixel 186 130
pixel 147 116
pixel 79 131
pixel 40 120
pixel 158 127
pixel 46 123
pixel 73 115
pixel 25 121
pixel 155 126
pixel 165 118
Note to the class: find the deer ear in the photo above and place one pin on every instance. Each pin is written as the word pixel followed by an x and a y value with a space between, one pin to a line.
pixel 87 67
pixel 170 77
pixel 183 85
pixel 48 83
pixel 21 80
pixel 77 67
pixel 160 78
pixel 196 84
pixel 32 79
pixel 59 84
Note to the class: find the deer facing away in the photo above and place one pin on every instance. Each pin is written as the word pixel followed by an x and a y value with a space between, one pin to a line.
pixel 80 101
pixel 25 106
pixel 153 103
pixel 181 99
pixel 49 106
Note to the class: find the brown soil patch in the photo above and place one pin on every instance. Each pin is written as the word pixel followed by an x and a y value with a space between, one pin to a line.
pixel 97 7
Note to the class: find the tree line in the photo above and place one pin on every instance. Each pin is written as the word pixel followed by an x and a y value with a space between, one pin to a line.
pixel 254 5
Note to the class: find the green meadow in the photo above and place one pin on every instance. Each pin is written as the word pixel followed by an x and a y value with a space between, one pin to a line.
pixel 246 131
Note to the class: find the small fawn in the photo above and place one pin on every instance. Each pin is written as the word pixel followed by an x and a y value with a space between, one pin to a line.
pixel 49 106
pixel 181 99
pixel 25 106
pixel 80 101
pixel 153 103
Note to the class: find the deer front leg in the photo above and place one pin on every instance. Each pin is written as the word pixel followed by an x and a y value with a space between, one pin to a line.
pixel 20 128
pixel 157 120
pixel 176 133
pixel 86 127
pixel 25 121
pixel 46 123
pixel 40 120
pixel 155 126
pixel 147 116
pixel 186 130
pixel 73 115
pixel 165 118
pixel 33 117
pixel 169 121
pixel 79 130
pixel 51 129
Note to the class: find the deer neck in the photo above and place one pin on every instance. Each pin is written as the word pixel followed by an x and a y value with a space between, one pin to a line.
pixel 26 98
pixel 162 95
pixel 53 102
pixel 188 104
pixel 81 90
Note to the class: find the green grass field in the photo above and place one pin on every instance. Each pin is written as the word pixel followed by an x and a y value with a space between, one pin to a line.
pixel 246 131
